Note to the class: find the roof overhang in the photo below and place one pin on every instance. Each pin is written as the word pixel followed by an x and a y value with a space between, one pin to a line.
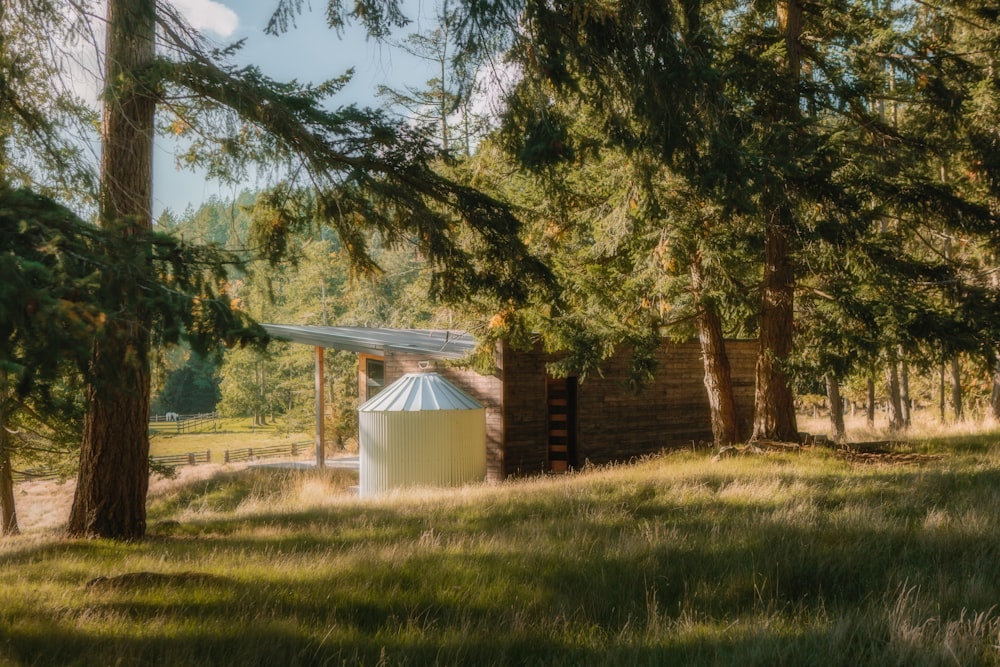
pixel 435 343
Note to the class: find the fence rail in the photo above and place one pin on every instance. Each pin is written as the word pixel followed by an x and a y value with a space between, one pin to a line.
pixel 254 453
pixel 231 455
pixel 183 423
pixel 187 459
pixel 35 474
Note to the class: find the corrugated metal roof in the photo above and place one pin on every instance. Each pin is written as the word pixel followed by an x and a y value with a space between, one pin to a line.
pixel 417 392
pixel 438 344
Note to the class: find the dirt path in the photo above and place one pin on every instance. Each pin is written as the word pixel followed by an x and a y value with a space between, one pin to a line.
pixel 44 505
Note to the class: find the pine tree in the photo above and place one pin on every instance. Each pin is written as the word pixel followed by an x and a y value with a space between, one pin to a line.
pixel 110 498
pixel 48 311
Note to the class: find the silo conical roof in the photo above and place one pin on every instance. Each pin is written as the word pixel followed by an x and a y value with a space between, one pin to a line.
pixel 417 392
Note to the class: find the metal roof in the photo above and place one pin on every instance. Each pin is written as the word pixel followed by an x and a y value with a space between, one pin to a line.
pixel 420 392
pixel 438 344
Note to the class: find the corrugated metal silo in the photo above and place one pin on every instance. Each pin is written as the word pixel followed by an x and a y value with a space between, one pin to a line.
pixel 420 430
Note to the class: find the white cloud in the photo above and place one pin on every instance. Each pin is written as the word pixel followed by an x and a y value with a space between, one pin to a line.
pixel 208 15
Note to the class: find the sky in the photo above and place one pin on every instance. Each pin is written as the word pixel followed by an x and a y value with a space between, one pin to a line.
pixel 310 52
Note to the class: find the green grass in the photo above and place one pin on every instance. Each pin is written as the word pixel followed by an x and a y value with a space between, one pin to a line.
pixel 230 434
pixel 794 559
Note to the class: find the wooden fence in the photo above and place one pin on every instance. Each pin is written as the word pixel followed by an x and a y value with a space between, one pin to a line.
pixel 232 455
pixel 254 453
pixel 183 423
pixel 35 474
pixel 188 459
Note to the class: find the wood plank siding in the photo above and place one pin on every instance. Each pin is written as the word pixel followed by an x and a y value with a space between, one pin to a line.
pixel 612 423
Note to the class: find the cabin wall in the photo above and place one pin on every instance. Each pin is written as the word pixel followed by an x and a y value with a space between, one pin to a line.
pixel 671 411
pixel 614 423
pixel 525 412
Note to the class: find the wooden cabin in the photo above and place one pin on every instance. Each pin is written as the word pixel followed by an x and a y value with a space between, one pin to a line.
pixel 536 423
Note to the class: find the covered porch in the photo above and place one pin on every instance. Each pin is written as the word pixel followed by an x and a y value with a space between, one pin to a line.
pixel 371 344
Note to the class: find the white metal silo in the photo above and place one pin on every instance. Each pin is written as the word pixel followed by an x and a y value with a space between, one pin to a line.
pixel 420 431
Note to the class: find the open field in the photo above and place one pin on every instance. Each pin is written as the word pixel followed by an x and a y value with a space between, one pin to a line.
pixel 229 434
pixel 796 559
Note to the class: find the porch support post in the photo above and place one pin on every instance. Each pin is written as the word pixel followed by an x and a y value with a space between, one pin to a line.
pixel 320 448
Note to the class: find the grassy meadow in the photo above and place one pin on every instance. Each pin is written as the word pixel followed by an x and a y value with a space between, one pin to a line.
pixel 782 559
pixel 227 434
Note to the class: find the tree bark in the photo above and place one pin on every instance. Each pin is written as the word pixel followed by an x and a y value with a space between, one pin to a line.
pixel 8 513
pixel 941 403
pixel 837 428
pixel 995 394
pixel 904 391
pixel 870 405
pixel 896 421
pixel 718 379
pixel 956 388
pixel 774 404
pixel 110 499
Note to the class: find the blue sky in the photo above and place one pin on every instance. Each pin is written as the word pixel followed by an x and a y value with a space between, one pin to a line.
pixel 310 52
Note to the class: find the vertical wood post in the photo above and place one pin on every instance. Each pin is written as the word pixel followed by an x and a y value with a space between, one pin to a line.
pixel 320 445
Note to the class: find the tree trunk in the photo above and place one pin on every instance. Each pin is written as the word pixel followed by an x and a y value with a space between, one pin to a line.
pixel 995 394
pixel 774 404
pixel 904 391
pixel 718 379
pixel 870 405
pixel 837 428
pixel 941 402
pixel 8 513
pixel 896 421
pixel 110 499
pixel 956 388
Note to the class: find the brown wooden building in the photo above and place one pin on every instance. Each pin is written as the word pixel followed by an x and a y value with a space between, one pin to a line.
pixel 536 423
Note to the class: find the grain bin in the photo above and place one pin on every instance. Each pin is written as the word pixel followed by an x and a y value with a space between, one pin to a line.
pixel 420 431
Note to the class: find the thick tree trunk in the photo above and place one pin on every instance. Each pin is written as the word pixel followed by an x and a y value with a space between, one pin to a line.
pixel 718 379
pixel 956 388
pixel 870 404
pixel 837 428
pixel 110 498
pixel 896 421
pixel 8 513
pixel 774 404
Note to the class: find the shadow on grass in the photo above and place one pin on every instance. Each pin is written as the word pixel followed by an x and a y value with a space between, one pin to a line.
pixel 276 644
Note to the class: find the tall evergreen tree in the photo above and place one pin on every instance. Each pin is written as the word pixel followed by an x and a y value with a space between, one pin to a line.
pixel 48 311
pixel 110 498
